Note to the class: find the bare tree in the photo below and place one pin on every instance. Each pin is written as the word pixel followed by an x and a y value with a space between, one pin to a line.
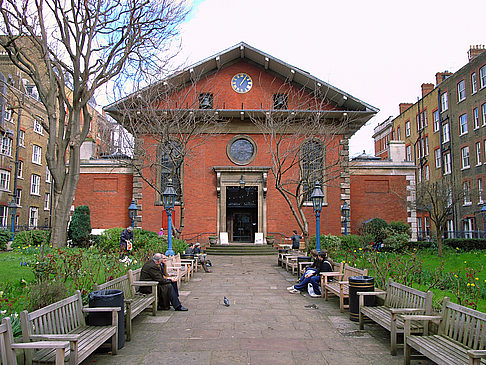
pixel 303 138
pixel 438 198
pixel 69 50
pixel 169 121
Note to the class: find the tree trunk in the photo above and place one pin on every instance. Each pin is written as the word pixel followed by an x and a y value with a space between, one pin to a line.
pixel 439 243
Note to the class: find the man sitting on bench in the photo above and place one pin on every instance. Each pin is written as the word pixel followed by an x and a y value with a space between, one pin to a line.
pixel 311 276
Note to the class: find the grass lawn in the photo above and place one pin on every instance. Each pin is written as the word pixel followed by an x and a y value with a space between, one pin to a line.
pixel 11 269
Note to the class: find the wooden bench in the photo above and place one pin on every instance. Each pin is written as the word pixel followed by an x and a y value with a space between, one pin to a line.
pixel 461 338
pixel 7 346
pixel 339 288
pixel 64 320
pixel 399 300
pixel 135 303
pixel 186 266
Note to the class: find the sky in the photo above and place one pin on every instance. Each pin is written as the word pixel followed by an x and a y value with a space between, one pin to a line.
pixel 378 51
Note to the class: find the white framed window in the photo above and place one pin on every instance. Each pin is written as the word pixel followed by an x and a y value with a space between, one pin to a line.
pixel 468 227
pixel 447 163
pixel 20 170
pixel 47 201
pixel 398 134
pixel 48 175
pixel 466 190
pixel 6 148
pixel 418 123
pixel 4 180
pixel 36 154
pixel 476 118
pixel 478 153
pixel 427 172
pixel 22 138
pixel 424 114
pixel 474 83
pixel 450 228
pixel 483 113
pixel 8 114
pixel 3 216
pixel 419 226
pixel 444 102
pixel 408 150
pixel 426 143
pixel 465 157
pixel 33 217
pixel 18 198
pixel 480 191
pixel 37 127
pixel 437 158
pixel 461 90
pixel 427 225
pixel 482 77
pixel 407 128
pixel 35 184
pixel 435 115
pixel 419 175
pixel 463 124
pixel 445 133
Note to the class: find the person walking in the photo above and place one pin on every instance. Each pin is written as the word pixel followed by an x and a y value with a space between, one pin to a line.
pixel 295 240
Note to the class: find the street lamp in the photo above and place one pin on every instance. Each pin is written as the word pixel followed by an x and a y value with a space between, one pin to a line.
pixel 12 208
pixel 132 212
pixel 317 198
pixel 345 214
pixel 169 196
pixel 483 213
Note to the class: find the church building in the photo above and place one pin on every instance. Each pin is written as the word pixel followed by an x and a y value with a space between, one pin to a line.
pixel 243 137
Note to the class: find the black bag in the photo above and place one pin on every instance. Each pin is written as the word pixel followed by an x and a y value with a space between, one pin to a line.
pixel 208 263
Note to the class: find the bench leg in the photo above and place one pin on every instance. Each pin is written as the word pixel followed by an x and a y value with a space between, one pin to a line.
pixel 406 354
pixel 114 338
pixel 341 303
pixel 128 327
pixel 361 321
pixel 393 339
pixel 154 305
pixel 60 356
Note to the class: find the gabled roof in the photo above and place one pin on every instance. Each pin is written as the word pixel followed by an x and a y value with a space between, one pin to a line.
pixel 345 102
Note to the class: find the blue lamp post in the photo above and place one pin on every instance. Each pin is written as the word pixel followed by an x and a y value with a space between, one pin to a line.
pixel 345 214
pixel 317 198
pixel 169 196
pixel 132 212
pixel 483 213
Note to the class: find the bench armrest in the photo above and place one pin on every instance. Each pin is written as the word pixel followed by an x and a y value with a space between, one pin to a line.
pixel 405 310
pixel 331 273
pixel 371 293
pixel 417 317
pixel 42 345
pixel 53 337
pixel 343 282
pixel 145 283
pixel 476 354
pixel 101 309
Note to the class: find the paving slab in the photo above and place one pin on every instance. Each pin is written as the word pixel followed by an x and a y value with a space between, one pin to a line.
pixel 264 324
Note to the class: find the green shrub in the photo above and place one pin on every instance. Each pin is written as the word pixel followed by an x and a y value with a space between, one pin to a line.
pixel 44 293
pixel 395 241
pixel 328 242
pixel 375 228
pixel 80 227
pixel 351 241
pixel 33 237
pixel 400 227
pixel 466 244
pixel 4 238
pixel 110 239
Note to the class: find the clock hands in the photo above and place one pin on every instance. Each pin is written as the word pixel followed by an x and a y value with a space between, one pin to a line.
pixel 244 78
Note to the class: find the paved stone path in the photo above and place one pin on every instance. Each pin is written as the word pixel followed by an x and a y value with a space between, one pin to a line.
pixel 264 324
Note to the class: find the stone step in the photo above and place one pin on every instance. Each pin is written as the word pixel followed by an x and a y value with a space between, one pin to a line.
pixel 241 249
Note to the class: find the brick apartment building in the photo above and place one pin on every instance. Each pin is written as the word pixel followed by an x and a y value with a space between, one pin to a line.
pixel 27 193
pixel 444 136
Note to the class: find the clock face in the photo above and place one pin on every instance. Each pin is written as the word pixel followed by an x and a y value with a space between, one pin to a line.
pixel 241 83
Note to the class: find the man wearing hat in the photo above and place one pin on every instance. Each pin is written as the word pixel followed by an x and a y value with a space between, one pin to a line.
pixel 126 239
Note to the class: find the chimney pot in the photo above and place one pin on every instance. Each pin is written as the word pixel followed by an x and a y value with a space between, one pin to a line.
pixel 475 51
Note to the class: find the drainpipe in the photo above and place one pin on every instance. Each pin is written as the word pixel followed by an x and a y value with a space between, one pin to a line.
pixel 14 197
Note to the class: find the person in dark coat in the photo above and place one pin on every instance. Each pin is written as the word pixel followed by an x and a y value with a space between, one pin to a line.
pixel 152 271
pixel 313 277
pixel 295 240
pixel 125 237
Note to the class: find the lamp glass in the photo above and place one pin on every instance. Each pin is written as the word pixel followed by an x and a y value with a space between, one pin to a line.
pixel 169 196
pixel 132 210
pixel 345 210
pixel 317 197
pixel 242 182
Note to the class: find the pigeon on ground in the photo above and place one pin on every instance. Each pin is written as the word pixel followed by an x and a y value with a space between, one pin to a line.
pixel 226 302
